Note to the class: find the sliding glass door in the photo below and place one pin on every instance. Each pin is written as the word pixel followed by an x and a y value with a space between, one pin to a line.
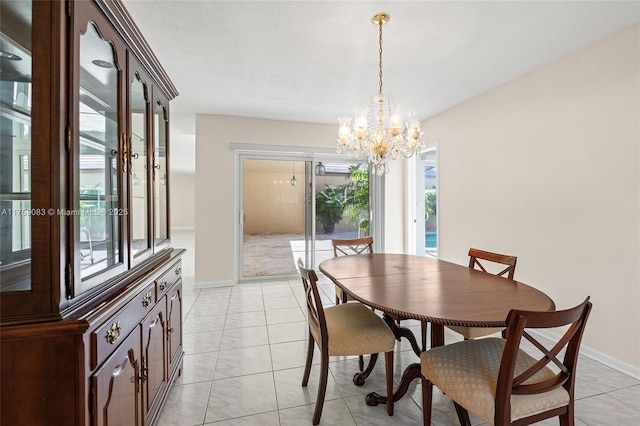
pixel 291 207
pixel 342 204
pixel 274 216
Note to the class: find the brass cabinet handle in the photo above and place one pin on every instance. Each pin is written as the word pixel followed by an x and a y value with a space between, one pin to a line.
pixel 146 300
pixel 143 372
pixel 162 285
pixel 113 333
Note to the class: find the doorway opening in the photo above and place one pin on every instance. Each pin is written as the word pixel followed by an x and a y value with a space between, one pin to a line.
pixel 430 168
pixel 291 207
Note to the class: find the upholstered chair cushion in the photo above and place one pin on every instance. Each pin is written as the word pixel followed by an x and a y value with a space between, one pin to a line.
pixel 468 373
pixel 355 329
pixel 474 332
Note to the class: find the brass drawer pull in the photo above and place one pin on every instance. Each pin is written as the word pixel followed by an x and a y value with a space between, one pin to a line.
pixel 162 285
pixel 113 334
pixel 146 300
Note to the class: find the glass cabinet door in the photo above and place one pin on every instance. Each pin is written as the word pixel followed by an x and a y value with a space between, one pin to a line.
pixel 15 146
pixel 160 208
pixel 139 182
pixel 98 210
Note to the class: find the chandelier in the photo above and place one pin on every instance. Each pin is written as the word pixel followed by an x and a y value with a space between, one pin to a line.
pixel 383 130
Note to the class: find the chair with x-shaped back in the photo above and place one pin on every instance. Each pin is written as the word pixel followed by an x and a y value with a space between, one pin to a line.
pixel 490 263
pixel 347 247
pixel 505 383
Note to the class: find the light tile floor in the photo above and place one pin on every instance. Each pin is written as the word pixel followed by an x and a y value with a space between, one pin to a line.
pixel 245 351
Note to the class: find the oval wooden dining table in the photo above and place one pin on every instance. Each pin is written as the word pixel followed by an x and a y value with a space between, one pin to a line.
pixel 432 290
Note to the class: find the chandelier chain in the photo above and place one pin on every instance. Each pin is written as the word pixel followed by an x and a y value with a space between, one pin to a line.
pixel 380 54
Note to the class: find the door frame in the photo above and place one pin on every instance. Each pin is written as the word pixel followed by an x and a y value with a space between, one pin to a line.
pixel 415 186
pixel 309 228
pixel 300 153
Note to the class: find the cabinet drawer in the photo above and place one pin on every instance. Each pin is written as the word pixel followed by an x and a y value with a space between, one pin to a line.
pixel 168 279
pixel 108 337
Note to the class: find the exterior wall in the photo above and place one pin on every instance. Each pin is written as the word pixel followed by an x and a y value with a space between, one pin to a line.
pixel 271 204
pixel 266 192
pixel 532 167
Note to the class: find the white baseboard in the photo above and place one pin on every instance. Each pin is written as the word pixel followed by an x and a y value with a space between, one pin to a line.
pixel 214 284
pixel 602 358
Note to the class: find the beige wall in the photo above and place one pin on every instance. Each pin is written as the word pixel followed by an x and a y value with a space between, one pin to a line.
pixel 215 182
pixel 547 167
pixel 183 200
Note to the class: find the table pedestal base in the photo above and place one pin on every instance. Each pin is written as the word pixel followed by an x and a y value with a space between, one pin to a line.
pixel 410 373
pixel 413 371
pixel 359 378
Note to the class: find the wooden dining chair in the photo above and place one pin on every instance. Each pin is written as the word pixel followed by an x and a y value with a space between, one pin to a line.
pixel 343 330
pixel 503 384
pixel 346 247
pixel 491 263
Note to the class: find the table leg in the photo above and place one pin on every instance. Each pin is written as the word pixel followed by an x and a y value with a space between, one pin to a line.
pixel 411 373
pixel 437 335
pixel 400 331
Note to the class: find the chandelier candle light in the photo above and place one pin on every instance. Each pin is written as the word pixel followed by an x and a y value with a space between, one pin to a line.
pixel 382 131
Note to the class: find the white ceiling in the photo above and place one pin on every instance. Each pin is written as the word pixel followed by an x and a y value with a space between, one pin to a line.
pixel 316 60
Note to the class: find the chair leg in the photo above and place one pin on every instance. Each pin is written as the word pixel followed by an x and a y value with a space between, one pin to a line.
pixel 322 386
pixel 567 419
pixel 463 415
pixel 307 365
pixel 388 361
pixel 427 395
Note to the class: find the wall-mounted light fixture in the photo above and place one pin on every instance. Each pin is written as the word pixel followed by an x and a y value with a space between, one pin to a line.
pixel 294 181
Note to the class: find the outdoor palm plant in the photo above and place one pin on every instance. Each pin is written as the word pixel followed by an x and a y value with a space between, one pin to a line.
pixel 330 205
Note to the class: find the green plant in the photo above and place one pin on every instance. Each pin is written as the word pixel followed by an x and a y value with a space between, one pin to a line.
pixel 330 205
pixel 357 201
pixel 430 203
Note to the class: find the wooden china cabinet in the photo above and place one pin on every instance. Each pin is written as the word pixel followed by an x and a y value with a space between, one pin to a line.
pixel 90 287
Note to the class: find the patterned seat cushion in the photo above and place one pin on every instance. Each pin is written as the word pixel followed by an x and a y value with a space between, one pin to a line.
pixel 355 329
pixel 468 372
